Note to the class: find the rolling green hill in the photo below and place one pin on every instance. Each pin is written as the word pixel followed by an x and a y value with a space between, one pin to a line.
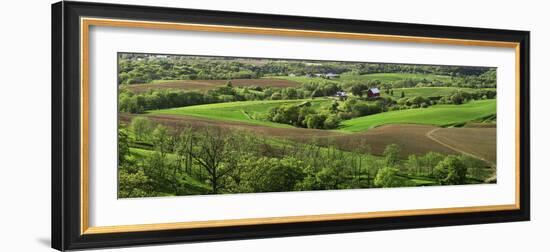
pixel 383 77
pixel 390 77
pixel 243 111
pixel 439 115
pixel 429 91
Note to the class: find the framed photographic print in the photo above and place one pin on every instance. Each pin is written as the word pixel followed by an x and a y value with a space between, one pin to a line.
pixel 181 125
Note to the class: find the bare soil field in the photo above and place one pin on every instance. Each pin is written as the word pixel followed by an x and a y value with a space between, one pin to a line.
pixel 413 139
pixel 176 122
pixel 477 141
pixel 410 137
pixel 203 85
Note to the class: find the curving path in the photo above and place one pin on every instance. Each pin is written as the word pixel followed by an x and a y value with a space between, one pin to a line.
pixel 429 134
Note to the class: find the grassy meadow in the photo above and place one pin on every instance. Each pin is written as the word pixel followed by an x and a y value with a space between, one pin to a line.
pixel 439 115
pixel 241 111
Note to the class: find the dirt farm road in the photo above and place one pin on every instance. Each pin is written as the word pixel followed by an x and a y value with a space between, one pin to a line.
pixel 429 134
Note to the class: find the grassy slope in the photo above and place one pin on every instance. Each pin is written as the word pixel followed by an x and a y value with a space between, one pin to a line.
pixel 249 111
pixel 428 91
pixel 436 115
pixel 384 77
pixel 243 111
pixel 389 77
pixel 303 79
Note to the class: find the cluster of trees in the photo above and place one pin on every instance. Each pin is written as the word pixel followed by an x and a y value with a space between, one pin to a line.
pixel 157 161
pixel 303 115
pixel 145 68
pixel 485 80
pixel 443 169
pixel 329 116
pixel 159 99
pixel 460 97
pixel 352 107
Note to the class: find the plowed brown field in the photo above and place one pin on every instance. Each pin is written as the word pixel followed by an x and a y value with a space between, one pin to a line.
pixel 480 142
pixel 412 139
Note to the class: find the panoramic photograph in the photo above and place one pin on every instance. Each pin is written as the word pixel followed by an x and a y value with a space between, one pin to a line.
pixel 202 125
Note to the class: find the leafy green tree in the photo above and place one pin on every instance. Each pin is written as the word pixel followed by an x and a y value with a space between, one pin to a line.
pixel 142 127
pixel 451 171
pixel 131 185
pixel 349 104
pixel 276 96
pixel 358 89
pixel 317 93
pixel 402 94
pixel 333 176
pixel 334 107
pixel 391 154
pixel 477 167
pixel 315 121
pixel 123 146
pixel 213 154
pixel 388 177
pixel 274 175
pixel 332 122
pixel 413 165
pixel 161 139
pixel 129 103
pixel 457 98
pixel 289 93
pixel 430 160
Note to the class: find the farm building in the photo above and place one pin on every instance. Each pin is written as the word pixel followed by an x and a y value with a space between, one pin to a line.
pixel 341 95
pixel 373 92
pixel 331 75
pixel 327 75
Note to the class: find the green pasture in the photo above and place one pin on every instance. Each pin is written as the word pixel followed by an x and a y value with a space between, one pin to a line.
pixel 429 91
pixel 440 115
pixel 241 111
pixel 391 77
pixel 383 77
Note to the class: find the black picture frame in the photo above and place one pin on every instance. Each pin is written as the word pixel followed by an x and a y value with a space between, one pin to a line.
pixel 66 114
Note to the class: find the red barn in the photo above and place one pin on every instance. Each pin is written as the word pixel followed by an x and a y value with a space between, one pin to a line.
pixel 373 92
